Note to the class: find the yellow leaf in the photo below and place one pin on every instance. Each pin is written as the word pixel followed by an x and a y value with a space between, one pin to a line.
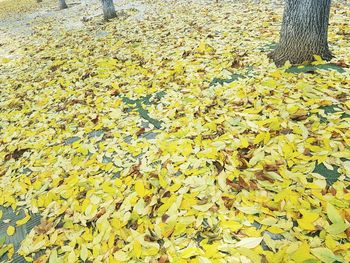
pixel 186 149
pixel 137 249
pixel 318 60
pixel 139 188
pixel 167 229
pixel 333 214
pixel 202 208
pixel 210 250
pixel 302 253
pixel 306 224
pixel 179 229
pixel 337 228
pixel 330 242
pixel 10 230
pixel 190 252
pixel 270 242
pixel 151 251
pixel 204 47
pixel 232 225
pixel 116 223
pixel 259 155
pixel 10 251
pixel 84 253
pixel 244 142
pixel 4 60
pixel 271 83
pixel 326 255
pixel 23 220
pixel 71 257
pixel 118 182
pixel 249 242
pixel 249 210
pixel 347 104
pixel 275 230
pixel 259 138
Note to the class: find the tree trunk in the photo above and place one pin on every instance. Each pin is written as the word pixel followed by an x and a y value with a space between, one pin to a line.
pixel 108 9
pixel 304 32
pixel 62 4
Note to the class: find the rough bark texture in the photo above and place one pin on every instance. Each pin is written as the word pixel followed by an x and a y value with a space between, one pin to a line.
pixel 108 9
pixel 62 4
pixel 304 32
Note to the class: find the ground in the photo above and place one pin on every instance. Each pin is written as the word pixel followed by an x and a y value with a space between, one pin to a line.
pixel 166 134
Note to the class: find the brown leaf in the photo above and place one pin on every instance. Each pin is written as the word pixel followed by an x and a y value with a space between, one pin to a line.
pixel 299 115
pixel 166 194
pixel 324 191
pixel 264 259
pixel 214 208
pixel 236 63
pixel 307 152
pixel 271 167
pixel 140 131
pixel 218 166
pixel 135 169
pixel 286 131
pixel 101 212
pixel 16 154
pixel 233 185
pixel 347 232
pixel 243 164
pixel 347 215
pixel 341 63
pixel 163 259
pixel 85 76
pixel 335 135
pixel 41 259
pixel 115 93
pixel 243 183
pixel 118 205
pixel 164 218
pixel 263 177
pixel 186 54
pixel 44 227
pixel 228 202
pixel 95 120
pixel 151 237
pixel 332 190
pixel 342 96
pixel 55 67
pixel 253 185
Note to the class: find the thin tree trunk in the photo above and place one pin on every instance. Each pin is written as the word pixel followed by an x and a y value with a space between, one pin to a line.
pixel 62 4
pixel 108 9
pixel 304 32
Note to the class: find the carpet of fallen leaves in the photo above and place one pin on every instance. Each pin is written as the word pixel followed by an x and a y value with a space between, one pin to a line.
pixel 174 138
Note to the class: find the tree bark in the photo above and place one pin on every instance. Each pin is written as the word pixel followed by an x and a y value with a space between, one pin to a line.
pixel 304 32
pixel 108 9
pixel 62 4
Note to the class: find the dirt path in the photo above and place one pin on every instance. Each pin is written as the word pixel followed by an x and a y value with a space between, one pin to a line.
pixel 22 24
pixel 14 30
pixel 71 18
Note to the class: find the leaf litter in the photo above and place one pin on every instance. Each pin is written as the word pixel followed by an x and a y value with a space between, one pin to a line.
pixel 230 173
